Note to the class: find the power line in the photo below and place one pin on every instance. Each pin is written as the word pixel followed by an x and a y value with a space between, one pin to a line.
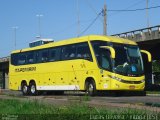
pixel 91 24
pixel 132 10
pixel 93 9
pixel 110 10
pixel 104 15
pixel 133 5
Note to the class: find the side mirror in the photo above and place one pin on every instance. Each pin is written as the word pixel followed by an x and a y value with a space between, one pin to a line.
pixel 148 54
pixel 111 49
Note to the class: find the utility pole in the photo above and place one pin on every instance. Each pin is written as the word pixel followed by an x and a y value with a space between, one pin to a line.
pixel 105 19
pixel 39 25
pixel 147 14
pixel 15 36
pixel 78 21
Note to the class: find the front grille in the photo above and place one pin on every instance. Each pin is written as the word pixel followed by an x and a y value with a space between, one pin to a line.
pixel 131 82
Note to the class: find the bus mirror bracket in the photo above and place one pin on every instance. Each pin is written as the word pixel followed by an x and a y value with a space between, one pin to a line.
pixel 111 49
pixel 148 54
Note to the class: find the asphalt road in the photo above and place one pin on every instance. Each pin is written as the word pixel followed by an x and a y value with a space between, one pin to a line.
pixel 131 99
pixel 149 102
pixel 149 98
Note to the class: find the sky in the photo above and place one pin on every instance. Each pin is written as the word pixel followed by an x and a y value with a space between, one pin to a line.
pixel 60 19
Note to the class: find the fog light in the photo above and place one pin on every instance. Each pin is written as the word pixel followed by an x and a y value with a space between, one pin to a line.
pixel 142 81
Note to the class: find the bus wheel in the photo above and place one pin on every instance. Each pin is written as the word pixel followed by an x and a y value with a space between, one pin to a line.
pixel 33 90
pixel 24 88
pixel 91 88
pixel 59 92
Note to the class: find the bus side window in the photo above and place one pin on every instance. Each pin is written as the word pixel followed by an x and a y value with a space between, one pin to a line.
pixel 30 58
pixel 102 55
pixel 79 52
pixel 69 52
pixel 83 52
pixel 22 59
pixel 42 56
pixel 14 58
pixel 54 54
pixel 105 59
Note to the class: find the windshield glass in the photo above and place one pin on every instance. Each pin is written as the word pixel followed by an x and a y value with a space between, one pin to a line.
pixel 102 55
pixel 128 60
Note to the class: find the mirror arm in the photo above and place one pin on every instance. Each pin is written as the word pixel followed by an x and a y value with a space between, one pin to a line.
pixel 148 54
pixel 111 49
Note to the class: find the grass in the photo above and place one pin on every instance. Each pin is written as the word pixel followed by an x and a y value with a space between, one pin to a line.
pixel 152 92
pixel 34 110
pixel 153 104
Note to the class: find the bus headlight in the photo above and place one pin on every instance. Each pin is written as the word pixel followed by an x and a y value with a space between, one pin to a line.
pixel 116 78
pixel 127 81
pixel 143 80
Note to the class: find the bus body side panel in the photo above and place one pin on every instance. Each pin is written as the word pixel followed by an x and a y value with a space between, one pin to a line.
pixel 70 74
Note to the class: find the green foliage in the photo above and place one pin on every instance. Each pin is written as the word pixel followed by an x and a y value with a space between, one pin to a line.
pixel 1 77
pixel 86 97
pixel 156 66
pixel 152 92
pixel 30 110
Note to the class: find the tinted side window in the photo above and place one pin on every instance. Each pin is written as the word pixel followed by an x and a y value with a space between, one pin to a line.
pixel 14 58
pixel 83 52
pixel 102 55
pixel 21 59
pixel 54 54
pixel 42 56
pixel 30 57
pixel 69 52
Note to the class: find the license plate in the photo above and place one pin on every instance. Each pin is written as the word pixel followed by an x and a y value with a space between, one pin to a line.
pixel 132 87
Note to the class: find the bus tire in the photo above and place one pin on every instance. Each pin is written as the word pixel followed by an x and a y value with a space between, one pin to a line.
pixel 33 90
pixel 59 92
pixel 91 88
pixel 24 88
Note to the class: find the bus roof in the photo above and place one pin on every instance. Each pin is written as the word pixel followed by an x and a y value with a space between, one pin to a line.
pixel 78 40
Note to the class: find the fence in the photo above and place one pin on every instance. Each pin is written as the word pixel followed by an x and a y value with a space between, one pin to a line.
pixel 142 34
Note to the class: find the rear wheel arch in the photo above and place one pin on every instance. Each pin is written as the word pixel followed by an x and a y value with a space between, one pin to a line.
pixel 89 79
pixel 23 82
pixel 32 81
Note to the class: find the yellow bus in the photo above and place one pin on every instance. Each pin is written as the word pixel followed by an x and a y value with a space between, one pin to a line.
pixel 90 63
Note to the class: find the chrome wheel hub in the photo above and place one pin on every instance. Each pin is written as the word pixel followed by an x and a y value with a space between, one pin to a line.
pixel 33 89
pixel 90 89
pixel 25 89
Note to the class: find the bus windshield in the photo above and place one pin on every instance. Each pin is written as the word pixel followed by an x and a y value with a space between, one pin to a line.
pixel 128 60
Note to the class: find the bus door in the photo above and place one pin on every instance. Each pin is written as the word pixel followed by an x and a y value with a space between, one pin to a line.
pixel 105 58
